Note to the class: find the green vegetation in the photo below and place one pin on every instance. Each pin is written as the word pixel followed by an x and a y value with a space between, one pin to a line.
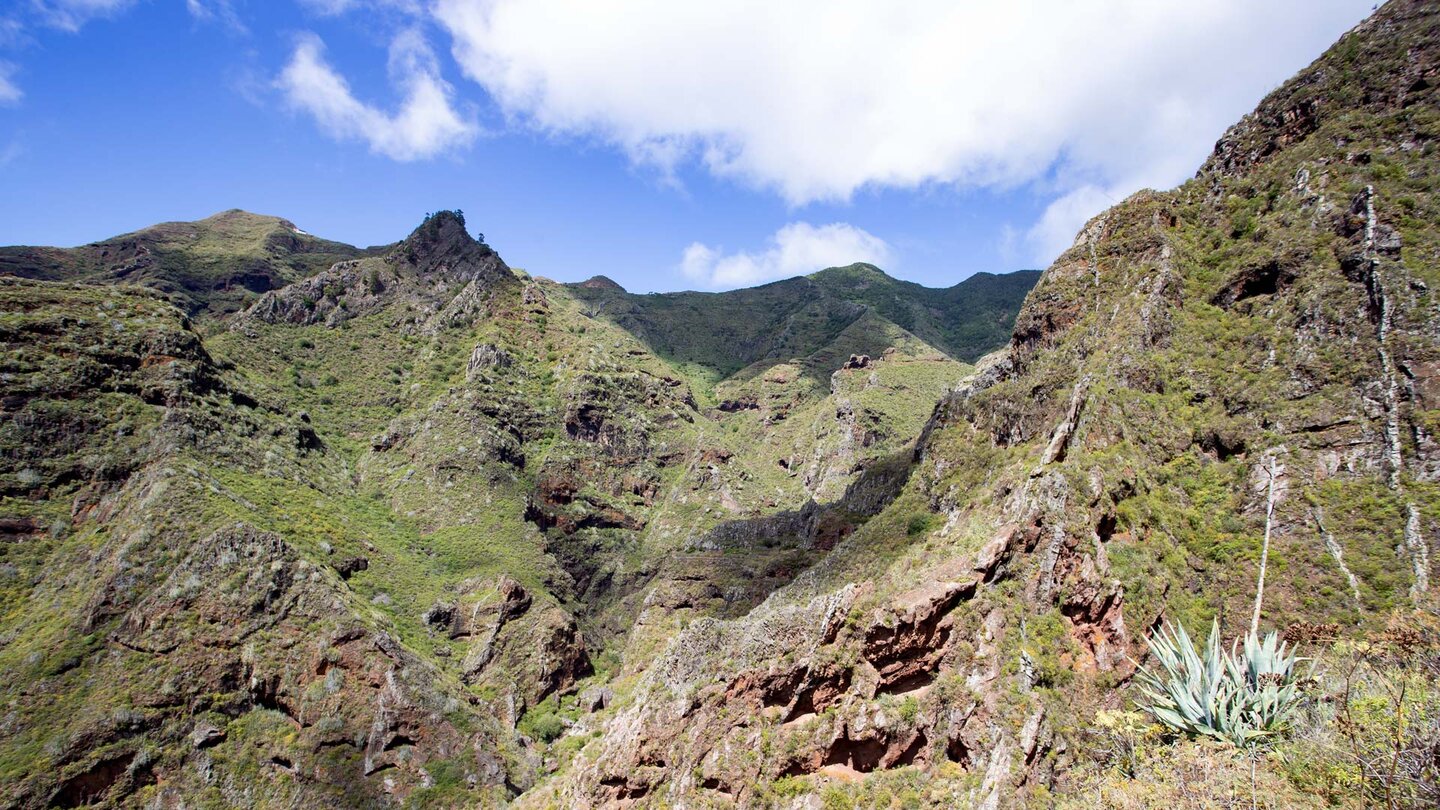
pixel 1244 698
pixel 715 335
pixel 965 321
pixel 214 266
pixel 543 723
pixel 423 529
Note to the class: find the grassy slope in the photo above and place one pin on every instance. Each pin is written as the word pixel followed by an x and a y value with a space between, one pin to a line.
pixel 714 335
pixel 1154 509
pixel 213 266
pixel 166 451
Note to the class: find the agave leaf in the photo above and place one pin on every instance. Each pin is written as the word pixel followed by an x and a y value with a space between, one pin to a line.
pixel 1241 696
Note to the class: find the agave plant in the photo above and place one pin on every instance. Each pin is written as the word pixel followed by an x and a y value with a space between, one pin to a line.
pixel 1265 670
pixel 1240 697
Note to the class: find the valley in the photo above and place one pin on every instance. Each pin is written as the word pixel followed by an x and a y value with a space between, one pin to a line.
pixel 287 522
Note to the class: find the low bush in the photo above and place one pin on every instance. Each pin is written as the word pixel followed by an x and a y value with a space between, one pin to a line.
pixel 1244 697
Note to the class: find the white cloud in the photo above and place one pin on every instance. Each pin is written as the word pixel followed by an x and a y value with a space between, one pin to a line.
pixel 1078 103
pixel 1056 229
pixel 795 249
pixel 817 99
pixel 331 8
pixel 70 15
pixel 12 33
pixel 216 11
pixel 1007 246
pixel 426 124
pixel 10 92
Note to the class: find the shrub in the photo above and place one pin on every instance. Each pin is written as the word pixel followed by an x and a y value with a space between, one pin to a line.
pixel 1377 741
pixel 1243 698
pixel 835 798
pixel 919 524
pixel 542 723
pixel 547 727
pixel 909 710
pixel 1123 738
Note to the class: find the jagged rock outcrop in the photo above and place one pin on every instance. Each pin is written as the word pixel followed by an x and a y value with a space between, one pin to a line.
pixel 443 276
pixel 524 653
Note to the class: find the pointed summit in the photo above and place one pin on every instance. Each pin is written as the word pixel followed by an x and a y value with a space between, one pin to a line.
pixel 441 243
pixel 601 283
pixel 439 269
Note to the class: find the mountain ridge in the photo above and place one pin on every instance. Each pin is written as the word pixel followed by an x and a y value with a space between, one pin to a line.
pixel 216 264
pixel 289 460
pixel 238 232
pixel 420 529
pixel 725 332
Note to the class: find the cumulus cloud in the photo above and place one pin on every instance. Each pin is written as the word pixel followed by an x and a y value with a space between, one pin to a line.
pixel 9 91
pixel 818 99
pixel 795 249
pixel 426 124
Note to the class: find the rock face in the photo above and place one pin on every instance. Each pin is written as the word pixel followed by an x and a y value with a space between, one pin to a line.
pixel 1104 473
pixel 367 545
pixel 441 274
pixel 418 530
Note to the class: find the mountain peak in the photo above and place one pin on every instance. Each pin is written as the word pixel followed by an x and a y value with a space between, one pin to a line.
pixel 600 283
pixel 442 240
pixel 231 223
pixel 859 272
pixel 240 214
pixel 440 226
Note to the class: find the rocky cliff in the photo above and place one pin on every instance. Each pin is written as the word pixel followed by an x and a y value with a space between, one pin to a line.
pixel 1263 335
pixel 414 528
pixel 352 546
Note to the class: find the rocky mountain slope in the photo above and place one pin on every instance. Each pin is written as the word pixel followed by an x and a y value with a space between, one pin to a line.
pixel 1268 327
pixel 345 546
pixel 414 528
pixel 214 266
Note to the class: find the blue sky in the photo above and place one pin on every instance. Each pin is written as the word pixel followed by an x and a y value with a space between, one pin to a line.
pixel 666 144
